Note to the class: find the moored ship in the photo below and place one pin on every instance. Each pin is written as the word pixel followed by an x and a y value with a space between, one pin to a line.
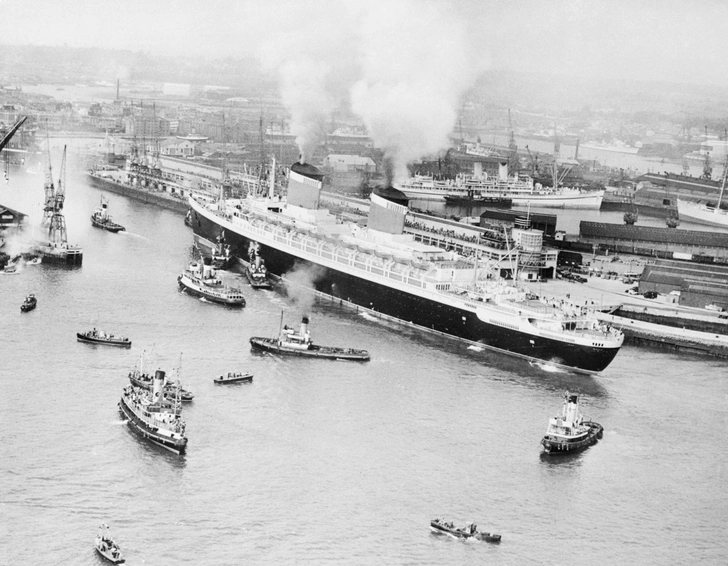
pixel 200 279
pixel 154 417
pixel 382 269
pixel 569 432
pixel 520 190
pixel 705 213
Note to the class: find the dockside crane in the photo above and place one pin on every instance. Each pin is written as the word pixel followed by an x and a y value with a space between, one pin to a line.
pixel 57 230
pixel 49 189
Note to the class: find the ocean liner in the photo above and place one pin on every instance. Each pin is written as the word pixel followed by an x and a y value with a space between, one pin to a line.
pixel 382 269
pixel 520 190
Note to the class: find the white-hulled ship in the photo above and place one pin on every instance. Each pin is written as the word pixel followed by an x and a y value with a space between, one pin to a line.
pixel 383 269
pixel 569 432
pixel 201 279
pixel 521 190
pixel 705 213
pixel 153 416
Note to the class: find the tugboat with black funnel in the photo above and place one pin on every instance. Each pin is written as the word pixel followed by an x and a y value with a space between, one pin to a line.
pixel 29 303
pixel 292 343
pixel 171 390
pixel 569 432
pixel 101 219
pixel 470 531
pixel 153 416
pixel 257 273
pixel 100 337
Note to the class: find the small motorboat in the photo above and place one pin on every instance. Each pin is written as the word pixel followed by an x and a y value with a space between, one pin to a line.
pixel 234 377
pixel 106 546
pixel 569 432
pixel 100 337
pixel 470 531
pixel 29 303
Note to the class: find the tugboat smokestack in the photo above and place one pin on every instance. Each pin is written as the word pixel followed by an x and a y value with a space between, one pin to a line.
pixel 304 325
pixel 158 386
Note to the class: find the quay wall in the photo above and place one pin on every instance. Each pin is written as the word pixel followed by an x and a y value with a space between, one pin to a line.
pixel 159 199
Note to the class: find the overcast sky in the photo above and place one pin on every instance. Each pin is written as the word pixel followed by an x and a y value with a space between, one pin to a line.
pixel 684 41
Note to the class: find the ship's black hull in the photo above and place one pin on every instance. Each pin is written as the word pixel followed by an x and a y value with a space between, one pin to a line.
pixel 108 226
pixel 425 313
pixel 143 430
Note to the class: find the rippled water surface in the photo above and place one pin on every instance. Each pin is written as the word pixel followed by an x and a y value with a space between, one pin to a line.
pixel 319 462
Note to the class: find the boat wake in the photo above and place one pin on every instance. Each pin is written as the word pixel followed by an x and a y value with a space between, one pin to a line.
pixel 547 367
pixel 367 316
pixel 125 233
pixel 476 348
pixel 121 422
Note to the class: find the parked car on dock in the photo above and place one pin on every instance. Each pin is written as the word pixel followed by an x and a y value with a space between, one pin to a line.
pixel 714 307
pixel 632 291
pixel 650 294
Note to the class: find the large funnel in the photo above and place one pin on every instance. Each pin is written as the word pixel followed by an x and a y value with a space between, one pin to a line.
pixel 386 216
pixel 304 186
pixel 503 171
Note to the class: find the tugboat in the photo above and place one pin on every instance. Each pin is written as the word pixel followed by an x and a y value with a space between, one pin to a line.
pixel 470 531
pixel 29 303
pixel 569 432
pixel 257 274
pixel 234 377
pixel 154 416
pixel 100 337
pixel 171 390
pixel 219 253
pixel 295 343
pixel 106 546
pixel 201 280
pixel 101 219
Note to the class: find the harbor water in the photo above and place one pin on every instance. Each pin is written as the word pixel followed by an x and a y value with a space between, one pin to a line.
pixel 326 462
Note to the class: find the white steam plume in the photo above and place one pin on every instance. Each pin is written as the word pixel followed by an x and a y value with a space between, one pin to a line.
pixel 401 65
pixel 303 90
pixel 419 58
pixel 300 284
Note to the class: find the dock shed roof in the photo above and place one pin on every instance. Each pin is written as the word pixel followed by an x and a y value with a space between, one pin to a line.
pixel 651 234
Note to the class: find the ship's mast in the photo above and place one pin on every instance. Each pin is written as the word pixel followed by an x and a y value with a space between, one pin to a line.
pixel 271 188
pixel 722 187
